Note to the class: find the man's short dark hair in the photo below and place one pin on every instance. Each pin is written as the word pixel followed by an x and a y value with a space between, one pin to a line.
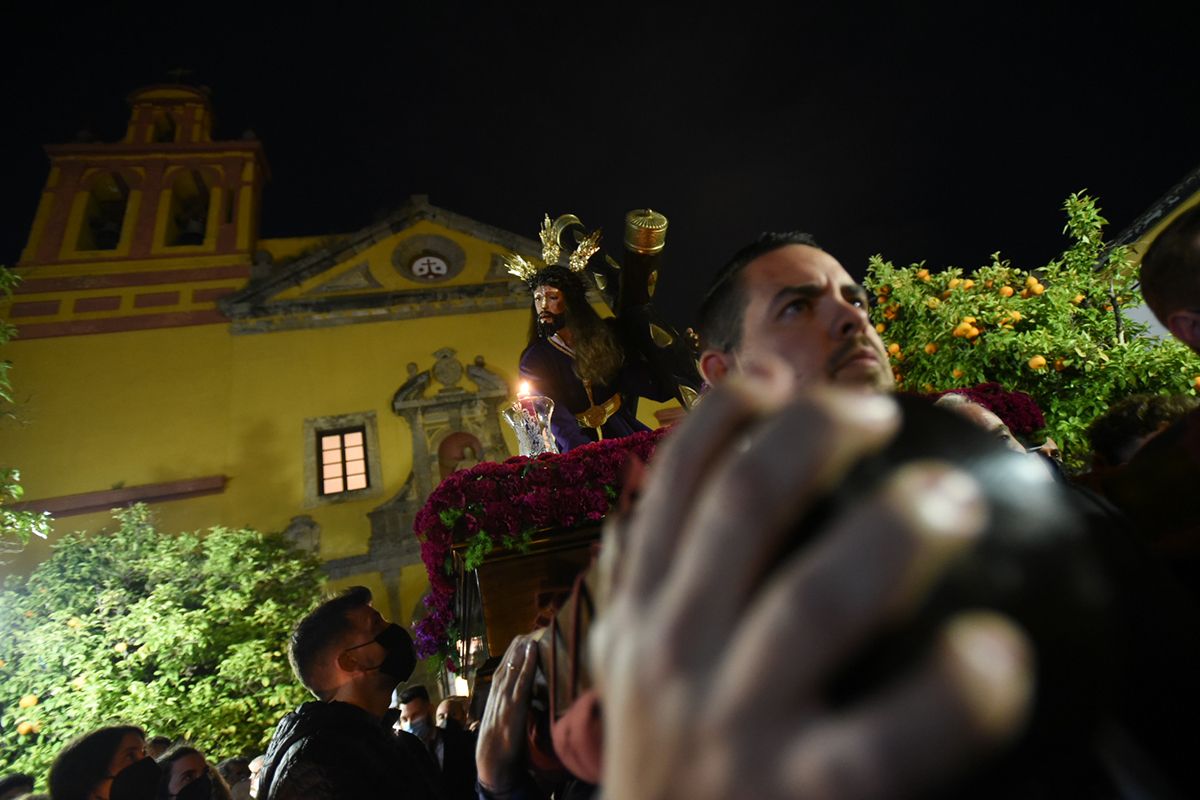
pixel 83 763
pixel 321 629
pixel 1171 267
pixel 724 305
pixel 1116 435
pixel 417 692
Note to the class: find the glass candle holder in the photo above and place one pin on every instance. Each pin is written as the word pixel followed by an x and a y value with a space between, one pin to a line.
pixel 529 416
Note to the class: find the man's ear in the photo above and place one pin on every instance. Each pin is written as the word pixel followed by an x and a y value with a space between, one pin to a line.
pixel 347 662
pixel 715 365
pixel 1184 325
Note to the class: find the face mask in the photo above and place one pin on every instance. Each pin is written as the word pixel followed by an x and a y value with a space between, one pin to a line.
pixel 401 658
pixel 138 781
pixel 418 727
pixel 199 789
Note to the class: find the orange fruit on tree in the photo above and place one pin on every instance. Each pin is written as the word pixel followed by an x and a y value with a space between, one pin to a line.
pixel 1037 288
pixel 25 728
pixel 1037 362
pixel 1006 291
pixel 931 348
pixel 28 701
pixel 957 373
pixel 1059 365
pixel 893 348
pixel 1077 299
pixel 923 275
pixel 968 284
pixel 880 327
pixel 1031 281
pixel 954 282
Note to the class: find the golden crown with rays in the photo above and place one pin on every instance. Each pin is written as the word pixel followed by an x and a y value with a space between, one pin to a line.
pixel 551 236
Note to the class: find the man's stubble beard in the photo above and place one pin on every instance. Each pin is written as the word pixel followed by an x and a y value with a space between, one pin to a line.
pixel 883 380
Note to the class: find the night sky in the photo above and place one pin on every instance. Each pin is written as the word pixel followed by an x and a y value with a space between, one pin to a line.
pixel 929 132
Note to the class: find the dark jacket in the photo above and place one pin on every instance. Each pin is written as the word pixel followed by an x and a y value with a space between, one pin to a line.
pixel 330 751
pixel 458 764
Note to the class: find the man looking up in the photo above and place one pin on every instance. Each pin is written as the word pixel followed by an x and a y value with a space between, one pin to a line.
pixel 351 659
pixel 783 297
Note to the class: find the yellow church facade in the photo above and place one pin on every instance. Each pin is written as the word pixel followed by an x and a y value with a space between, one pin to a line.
pixel 320 386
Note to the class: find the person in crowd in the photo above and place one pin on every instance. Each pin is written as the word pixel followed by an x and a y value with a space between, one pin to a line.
pixel 106 764
pixel 15 785
pixel 255 770
pixel 157 745
pixel 784 298
pixel 978 414
pixel 453 749
pixel 681 669
pixel 1118 434
pixel 1153 486
pixel 351 659
pixel 576 359
pixel 452 713
pixel 235 771
pixel 187 775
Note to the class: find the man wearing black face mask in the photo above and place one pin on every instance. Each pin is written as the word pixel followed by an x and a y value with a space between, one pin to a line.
pixel 351 659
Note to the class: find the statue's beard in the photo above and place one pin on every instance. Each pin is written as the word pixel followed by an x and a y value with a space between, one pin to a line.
pixel 549 324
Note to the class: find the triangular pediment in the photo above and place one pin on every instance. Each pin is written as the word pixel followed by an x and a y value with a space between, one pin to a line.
pixel 420 261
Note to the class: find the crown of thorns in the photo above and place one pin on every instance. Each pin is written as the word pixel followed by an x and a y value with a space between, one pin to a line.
pixel 551 236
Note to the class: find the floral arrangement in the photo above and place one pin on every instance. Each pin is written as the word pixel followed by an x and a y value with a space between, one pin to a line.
pixel 1015 409
pixel 1060 333
pixel 502 505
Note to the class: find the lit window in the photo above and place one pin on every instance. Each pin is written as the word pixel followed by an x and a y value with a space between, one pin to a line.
pixel 342 457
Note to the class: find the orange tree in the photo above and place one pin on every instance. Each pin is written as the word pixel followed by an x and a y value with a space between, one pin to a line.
pixel 184 634
pixel 1057 332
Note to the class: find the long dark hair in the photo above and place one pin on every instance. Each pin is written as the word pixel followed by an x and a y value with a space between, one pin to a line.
pixel 83 763
pixel 598 354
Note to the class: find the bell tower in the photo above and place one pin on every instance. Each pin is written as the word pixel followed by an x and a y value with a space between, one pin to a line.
pixel 166 192
pixel 146 232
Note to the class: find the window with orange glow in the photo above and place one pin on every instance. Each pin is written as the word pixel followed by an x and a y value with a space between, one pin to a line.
pixel 342 460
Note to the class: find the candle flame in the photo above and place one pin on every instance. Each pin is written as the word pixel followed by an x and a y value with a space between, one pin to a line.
pixel 523 390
